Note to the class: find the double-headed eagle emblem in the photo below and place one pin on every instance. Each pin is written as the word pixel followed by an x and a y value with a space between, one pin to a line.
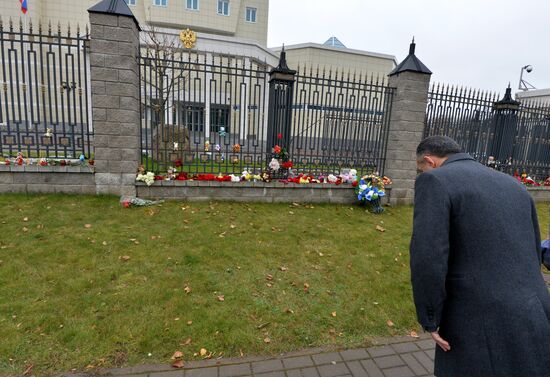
pixel 188 38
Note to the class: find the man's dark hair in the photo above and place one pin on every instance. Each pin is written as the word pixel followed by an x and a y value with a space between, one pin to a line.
pixel 439 146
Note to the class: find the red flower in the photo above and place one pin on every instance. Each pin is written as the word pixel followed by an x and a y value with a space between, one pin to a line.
pixel 277 149
pixel 178 163
pixel 182 176
pixel 159 178
pixel 279 136
pixel 126 204
pixel 354 184
pixel 287 165
pixel 62 162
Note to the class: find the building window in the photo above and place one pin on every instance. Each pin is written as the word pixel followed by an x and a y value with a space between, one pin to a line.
pixel 160 3
pixel 223 7
pixel 192 4
pixel 220 118
pixel 192 115
pixel 250 14
pixel 131 2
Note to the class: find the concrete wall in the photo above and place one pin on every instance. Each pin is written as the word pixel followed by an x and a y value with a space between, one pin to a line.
pixel 271 192
pixel 47 179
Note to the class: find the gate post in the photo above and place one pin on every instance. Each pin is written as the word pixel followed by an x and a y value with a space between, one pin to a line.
pixel 411 79
pixel 281 96
pixel 114 72
pixel 504 129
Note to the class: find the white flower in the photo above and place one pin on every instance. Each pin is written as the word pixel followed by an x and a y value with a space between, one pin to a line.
pixel 235 178
pixel 274 164
pixel 332 178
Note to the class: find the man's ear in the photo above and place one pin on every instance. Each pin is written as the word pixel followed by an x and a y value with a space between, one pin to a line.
pixel 430 161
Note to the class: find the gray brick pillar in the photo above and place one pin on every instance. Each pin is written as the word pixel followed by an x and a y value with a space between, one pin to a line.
pixel 114 49
pixel 411 79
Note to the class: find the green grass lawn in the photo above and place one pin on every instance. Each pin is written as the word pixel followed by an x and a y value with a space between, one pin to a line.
pixel 70 300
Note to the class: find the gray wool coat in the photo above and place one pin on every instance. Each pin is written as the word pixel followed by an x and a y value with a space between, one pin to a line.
pixel 476 272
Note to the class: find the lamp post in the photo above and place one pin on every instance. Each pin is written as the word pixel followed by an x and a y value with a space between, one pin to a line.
pixel 524 85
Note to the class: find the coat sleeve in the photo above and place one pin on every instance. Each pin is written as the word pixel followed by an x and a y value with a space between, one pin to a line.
pixel 429 249
pixel 536 229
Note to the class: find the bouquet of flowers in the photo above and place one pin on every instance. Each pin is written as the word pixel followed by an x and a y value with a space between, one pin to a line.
pixel 369 189
pixel 129 201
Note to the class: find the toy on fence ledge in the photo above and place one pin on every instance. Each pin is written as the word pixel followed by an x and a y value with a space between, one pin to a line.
pixel 131 201
pixel 369 190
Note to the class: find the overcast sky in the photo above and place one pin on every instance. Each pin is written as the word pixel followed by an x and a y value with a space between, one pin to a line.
pixel 476 43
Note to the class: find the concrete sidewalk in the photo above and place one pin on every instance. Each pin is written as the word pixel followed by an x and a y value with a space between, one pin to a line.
pixel 393 357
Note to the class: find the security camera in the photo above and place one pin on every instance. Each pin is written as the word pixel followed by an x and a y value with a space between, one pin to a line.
pixel 528 68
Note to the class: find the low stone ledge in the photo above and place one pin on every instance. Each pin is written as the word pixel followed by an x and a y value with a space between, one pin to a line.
pixel 45 169
pixel 266 192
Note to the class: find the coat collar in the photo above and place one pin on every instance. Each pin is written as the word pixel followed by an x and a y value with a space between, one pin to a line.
pixel 458 157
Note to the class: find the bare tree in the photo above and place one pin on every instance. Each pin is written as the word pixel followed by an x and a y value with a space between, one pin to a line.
pixel 165 72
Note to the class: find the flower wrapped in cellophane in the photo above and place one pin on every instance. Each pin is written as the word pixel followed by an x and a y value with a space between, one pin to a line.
pixel 369 190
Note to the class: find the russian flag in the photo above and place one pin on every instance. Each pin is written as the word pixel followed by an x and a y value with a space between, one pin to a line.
pixel 24 6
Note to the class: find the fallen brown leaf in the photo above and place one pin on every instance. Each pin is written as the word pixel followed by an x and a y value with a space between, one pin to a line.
pixel 381 229
pixel 221 298
pixel 25 219
pixel 87 226
pixel 203 351
pixel 389 323
pixel 282 268
pixel 333 314
pixel 413 334
pixel 187 289
pixel 177 355
pixel 178 364
pixel 269 277
pixel 28 370
pixel 124 258
pixel 267 340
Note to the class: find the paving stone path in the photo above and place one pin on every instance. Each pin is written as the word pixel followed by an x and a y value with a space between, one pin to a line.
pixel 394 357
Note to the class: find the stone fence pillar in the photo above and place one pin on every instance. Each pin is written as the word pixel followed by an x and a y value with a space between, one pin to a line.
pixel 114 51
pixel 411 79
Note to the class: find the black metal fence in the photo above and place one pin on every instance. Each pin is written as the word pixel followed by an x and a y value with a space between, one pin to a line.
pixel 207 113
pixel 508 135
pixel 44 109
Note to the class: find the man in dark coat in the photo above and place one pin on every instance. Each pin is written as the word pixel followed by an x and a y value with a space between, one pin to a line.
pixel 476 267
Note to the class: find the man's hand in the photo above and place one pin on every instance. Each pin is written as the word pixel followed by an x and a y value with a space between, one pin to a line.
pixel 440 341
